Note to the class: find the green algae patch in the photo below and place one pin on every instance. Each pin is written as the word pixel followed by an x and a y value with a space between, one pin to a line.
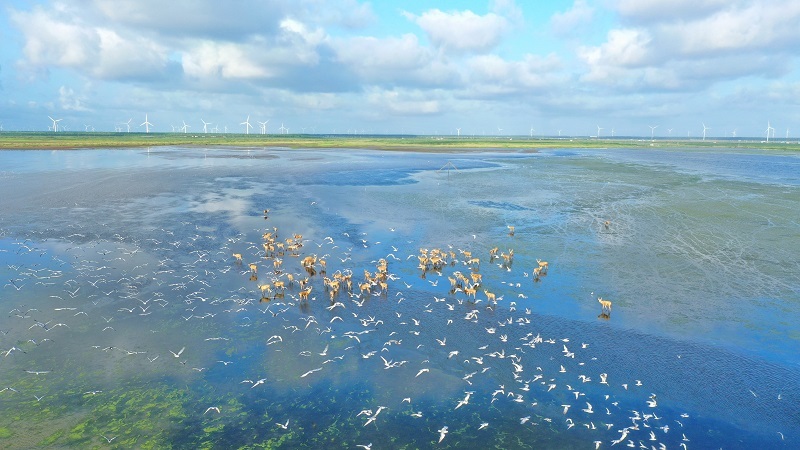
pixel 143 418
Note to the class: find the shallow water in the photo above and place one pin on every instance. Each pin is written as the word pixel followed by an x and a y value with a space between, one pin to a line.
pixel 118 259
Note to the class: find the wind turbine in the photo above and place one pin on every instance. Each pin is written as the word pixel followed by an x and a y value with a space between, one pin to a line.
pixel 283 129
pixel 769 128
pixel 264 127
pixel 185 127
pixel 612 132
pixel 128 123
pixel 205 125
pixel 247 125
pixel 598 131
pixel 146 124
pixel 55 123
pixel 733 133
pixel 669 131
pixel 704 131
pixel 532 130
pixel 652 131
pixel 459 131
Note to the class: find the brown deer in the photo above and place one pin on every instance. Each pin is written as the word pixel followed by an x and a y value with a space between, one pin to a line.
pixel 605 305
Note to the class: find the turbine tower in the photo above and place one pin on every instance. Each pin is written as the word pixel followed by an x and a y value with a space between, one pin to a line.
pixel 704 131
pixel 128 123
pixel 652 131
pixel 146 124
pixel 185 127
pixel 283 129
pixel 458 130
pixel 55 123
pixel 598 131
pixel 263 126
pixel 769 128
pixel 247 125
pixel 205 125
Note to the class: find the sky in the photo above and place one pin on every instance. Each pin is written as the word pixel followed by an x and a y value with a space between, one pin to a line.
pixel 498 67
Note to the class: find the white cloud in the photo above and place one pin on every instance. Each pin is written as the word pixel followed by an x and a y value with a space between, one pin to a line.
pixel 49 41
pixel 397 102
pixel 58 38
pixel 623 47
pixel 210 59
pixel 69 101
pixel 394 60
pixel 565 23
pixel 644 11
pixel 754 27
pixel 492 75
pixel 462 31
pixel 728 41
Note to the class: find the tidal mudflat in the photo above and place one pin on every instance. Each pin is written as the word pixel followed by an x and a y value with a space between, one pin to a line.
pixel 127 322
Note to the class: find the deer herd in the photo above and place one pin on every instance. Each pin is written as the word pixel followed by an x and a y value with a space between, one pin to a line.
pixel 376 283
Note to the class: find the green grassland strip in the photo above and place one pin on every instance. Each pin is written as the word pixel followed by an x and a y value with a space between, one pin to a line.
pixel 56 141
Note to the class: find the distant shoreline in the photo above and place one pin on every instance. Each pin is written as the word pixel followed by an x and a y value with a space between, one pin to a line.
pixel 432 144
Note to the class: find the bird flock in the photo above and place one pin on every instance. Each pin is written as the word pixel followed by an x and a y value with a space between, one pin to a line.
pixel 448 336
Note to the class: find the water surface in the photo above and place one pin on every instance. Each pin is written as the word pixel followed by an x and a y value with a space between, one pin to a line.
pixel 115 260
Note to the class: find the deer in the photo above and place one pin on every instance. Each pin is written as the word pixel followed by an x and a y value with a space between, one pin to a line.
pixel 510 230
pixel 470 291
pixel 304 293
pixel 237 257
pixel 605 305
pixel 543 265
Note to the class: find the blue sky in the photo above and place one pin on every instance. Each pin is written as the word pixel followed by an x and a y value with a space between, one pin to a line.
pixel 405 67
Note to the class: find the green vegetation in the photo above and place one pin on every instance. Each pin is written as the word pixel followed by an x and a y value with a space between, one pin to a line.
pixel 52 141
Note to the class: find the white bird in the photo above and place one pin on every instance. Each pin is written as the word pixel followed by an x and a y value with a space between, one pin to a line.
pixel 285 426
pixel 366 447
pixel 421 371
pixel 178 355
pixel 310 372
pixel 442 433
pixel 483 425
pixel 212 408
